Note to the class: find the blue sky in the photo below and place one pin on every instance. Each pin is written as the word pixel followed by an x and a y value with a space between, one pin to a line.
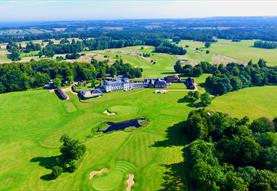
pixel 37 10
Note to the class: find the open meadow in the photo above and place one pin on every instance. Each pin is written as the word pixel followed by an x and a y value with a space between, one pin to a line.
pixel 252 102
pixel 226 51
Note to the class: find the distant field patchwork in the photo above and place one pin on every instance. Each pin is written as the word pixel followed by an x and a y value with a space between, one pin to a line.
pixel 225 51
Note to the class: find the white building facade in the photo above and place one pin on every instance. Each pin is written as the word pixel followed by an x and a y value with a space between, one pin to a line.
pixel 121 84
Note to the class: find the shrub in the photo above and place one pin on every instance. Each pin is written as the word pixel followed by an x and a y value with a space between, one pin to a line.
pixel 71 166
pixel 262 125
pixel 56 171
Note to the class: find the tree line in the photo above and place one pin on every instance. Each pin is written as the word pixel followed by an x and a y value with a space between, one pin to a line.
pixel 169 48
pixel 204 31
pixel 265 44
pixel 34 74
pixel 102 43
pixel 231 77
pixel 229 154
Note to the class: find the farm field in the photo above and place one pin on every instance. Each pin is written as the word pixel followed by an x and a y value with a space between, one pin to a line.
pixel 33 121
pixel 225 51
pixel 253 102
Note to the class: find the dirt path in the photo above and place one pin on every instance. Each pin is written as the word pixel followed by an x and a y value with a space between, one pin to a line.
pixel 130 182
pixel 69 89
pixel 97 172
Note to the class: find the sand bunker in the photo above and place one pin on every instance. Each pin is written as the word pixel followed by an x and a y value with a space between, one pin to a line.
pixel 107 112
pixel 130 182
pixel 97 172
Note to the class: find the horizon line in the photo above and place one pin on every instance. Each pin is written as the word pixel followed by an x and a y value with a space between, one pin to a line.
pixel 122 19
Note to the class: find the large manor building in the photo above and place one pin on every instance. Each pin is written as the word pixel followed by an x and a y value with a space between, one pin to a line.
pixel 126 85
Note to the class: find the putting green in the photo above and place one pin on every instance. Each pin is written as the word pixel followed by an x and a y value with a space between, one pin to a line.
pixel 114 178
pixel 108 182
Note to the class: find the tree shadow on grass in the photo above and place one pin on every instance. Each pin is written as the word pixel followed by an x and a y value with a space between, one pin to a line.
pixel 189 103
pixel 175 136
pixel 175 177
pixel 48 163
pixel 169 73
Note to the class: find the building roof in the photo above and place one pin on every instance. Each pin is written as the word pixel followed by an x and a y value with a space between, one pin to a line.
pixel 117 82
pixel 61 94
pixel 91 93
pixel 160 83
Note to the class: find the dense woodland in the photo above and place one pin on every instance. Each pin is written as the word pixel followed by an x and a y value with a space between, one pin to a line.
pixel 229 154
pixel 117 34
pixel 232 76
pixel 34 74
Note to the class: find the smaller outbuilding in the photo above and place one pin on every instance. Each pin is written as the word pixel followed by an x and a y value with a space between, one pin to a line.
pixel 86 94
pixel 155 83
pixel 161 91
pixel 50 85
pixel 172 79
pixel 61 94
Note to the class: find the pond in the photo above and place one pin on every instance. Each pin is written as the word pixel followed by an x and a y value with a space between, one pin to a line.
pixel 123 125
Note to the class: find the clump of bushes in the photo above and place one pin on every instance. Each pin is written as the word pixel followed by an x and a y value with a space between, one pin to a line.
pixel 193 99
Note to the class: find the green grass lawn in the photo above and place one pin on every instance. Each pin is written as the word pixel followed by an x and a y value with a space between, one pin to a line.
pixel 33 121
pixel 3 56
pixel 244 51
pixel 30 54
pixel 163 65
pixel 253 102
